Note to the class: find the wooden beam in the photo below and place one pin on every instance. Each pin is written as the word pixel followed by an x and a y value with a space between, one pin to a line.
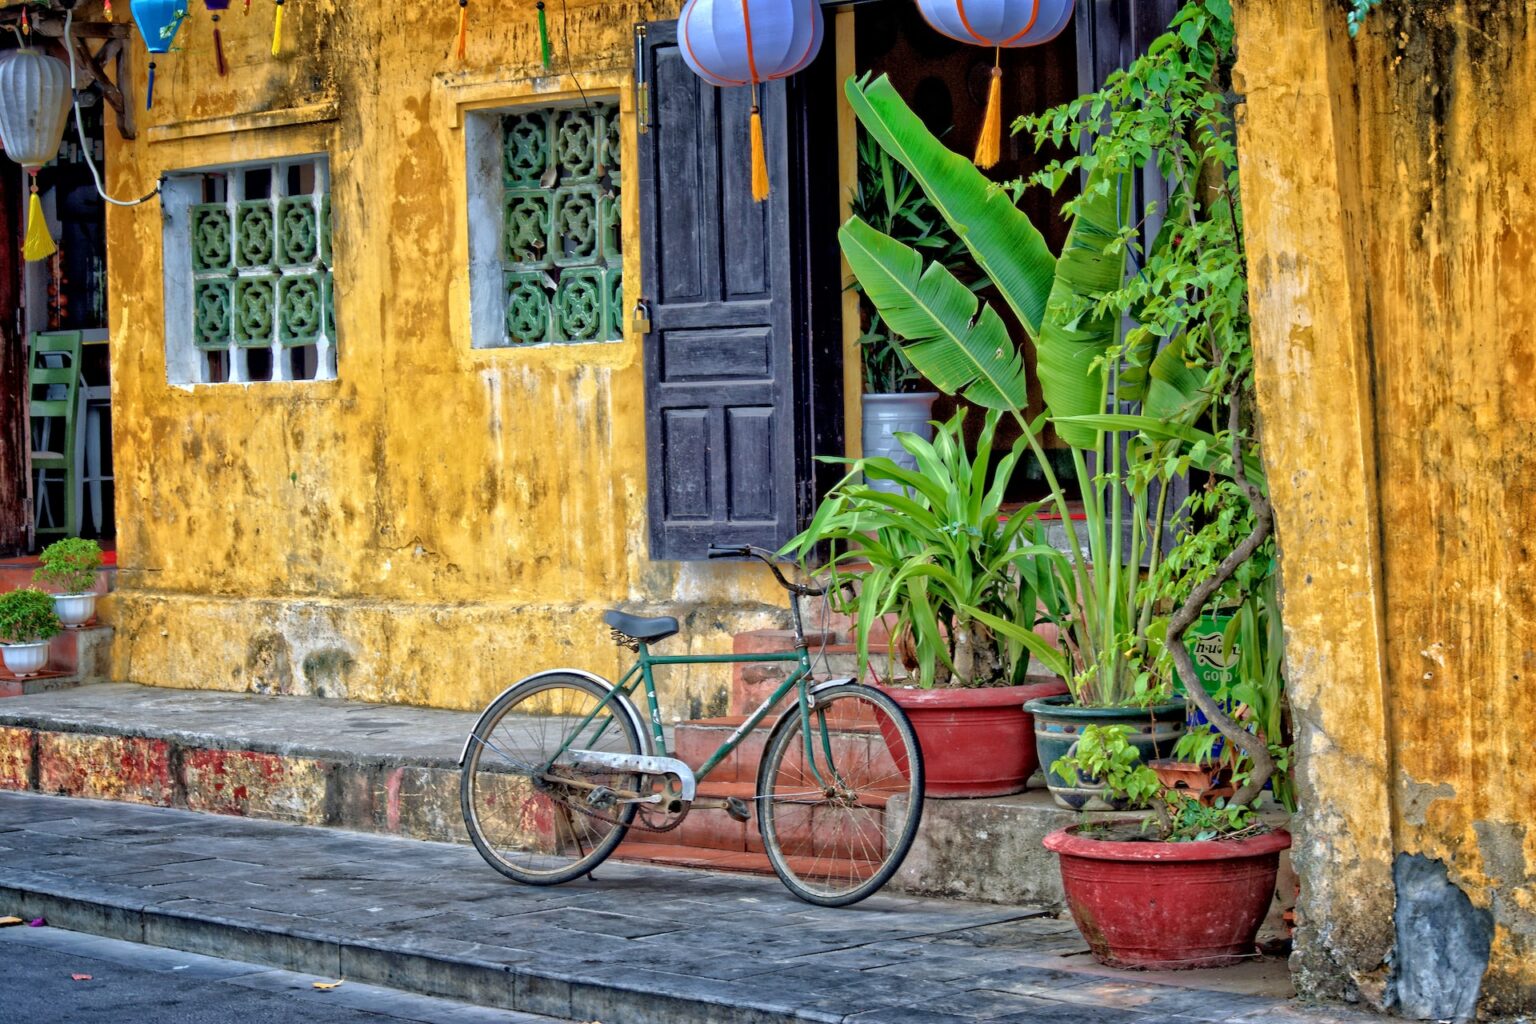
pixel 109 91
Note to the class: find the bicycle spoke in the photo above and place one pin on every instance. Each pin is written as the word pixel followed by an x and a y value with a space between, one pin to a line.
pixel 837 843
pixel 525 813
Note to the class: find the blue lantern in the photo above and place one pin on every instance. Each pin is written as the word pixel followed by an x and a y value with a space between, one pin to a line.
pixel 158 21
pixel 1000 24
pixel 749 42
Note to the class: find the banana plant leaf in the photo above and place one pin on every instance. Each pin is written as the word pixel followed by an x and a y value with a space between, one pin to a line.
pixel 1006 245
pixel 1074 340
pixel 957 350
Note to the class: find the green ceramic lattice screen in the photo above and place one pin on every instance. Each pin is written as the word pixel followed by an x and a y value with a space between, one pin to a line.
pixel 262 297
pixel 561 230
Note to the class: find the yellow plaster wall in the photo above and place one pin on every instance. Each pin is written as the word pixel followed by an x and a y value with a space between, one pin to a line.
pixel 440 520
pixel 1392 233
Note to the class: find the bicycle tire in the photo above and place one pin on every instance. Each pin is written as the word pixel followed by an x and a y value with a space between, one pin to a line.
pixel 825 851
pixel 518 825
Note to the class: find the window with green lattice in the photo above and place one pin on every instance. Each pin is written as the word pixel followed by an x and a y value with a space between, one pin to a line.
pixel 561 252
pixel 258 262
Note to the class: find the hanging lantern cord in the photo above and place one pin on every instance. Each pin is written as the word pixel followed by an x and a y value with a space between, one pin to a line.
pixel 218 49
pixel 85 146
pixel 544 55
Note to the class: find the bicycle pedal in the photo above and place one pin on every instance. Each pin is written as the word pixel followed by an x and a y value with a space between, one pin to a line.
pixel 737 808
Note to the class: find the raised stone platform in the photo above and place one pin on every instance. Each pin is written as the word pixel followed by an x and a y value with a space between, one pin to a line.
pixel 394 770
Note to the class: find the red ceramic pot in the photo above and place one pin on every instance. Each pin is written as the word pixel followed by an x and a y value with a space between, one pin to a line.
pixel 978 742
pixel 1168 906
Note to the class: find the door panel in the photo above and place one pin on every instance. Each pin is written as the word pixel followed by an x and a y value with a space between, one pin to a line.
pixel 718 275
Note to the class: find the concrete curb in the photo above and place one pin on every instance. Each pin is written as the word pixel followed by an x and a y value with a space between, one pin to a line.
pixel 599 992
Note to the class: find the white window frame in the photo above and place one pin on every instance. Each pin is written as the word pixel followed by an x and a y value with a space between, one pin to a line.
pixel 182 190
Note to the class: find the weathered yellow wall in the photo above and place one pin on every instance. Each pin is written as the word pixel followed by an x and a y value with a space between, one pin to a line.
pixel 441 520
pixel 1392 229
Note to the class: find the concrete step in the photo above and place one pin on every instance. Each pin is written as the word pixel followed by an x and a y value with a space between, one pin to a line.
pixel 633 943
pixel 394 770
pixel 76 657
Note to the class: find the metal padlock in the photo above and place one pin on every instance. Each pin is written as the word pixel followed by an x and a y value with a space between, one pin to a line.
pixel 640 319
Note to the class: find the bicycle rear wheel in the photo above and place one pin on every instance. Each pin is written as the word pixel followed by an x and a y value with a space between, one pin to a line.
pixel 532 818
pixel 837 840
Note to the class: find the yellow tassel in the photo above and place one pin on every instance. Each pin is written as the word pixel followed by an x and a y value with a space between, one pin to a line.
pixel 277 30
pixel 760 185
pixel 989 147
pixel 463 27
pixel 39 244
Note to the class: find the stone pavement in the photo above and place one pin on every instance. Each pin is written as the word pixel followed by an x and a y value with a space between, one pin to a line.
pixel 636 944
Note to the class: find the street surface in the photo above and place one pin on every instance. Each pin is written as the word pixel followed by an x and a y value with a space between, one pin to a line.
pixel 150 985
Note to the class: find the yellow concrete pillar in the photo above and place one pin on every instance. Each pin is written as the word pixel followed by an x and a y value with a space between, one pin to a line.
pixel 1313 377
pixel 1391 217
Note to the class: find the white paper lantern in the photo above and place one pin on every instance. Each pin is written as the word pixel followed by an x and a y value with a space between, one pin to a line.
pixel 34 106
pixel 1006 24
pixel 1001 25
pixel 746 43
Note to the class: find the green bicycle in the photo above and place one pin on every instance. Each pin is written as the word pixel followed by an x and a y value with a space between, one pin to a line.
pixel 562 765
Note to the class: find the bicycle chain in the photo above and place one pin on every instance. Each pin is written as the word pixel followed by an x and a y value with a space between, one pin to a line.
pixel 590 812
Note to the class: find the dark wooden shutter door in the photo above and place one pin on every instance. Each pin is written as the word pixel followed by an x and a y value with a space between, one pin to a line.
pixel 719 376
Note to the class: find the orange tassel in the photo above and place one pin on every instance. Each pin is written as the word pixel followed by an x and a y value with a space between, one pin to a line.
pixel 760 184
pixel 989 147
pixel 107 10
pixel 463 27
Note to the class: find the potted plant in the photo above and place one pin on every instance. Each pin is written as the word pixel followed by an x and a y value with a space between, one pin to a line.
pixel 69 566
pixel 27 623
pixel 923 560
pixel 1106 620
pixel 894 400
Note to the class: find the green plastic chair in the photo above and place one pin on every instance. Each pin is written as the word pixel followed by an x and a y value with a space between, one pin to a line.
pixel 53 379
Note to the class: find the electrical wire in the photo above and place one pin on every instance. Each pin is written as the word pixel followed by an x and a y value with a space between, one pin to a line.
pixel 85 143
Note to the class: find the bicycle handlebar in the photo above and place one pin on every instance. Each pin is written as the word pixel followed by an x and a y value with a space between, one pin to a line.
pixel 767 558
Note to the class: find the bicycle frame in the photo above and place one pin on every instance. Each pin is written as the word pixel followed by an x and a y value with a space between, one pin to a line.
pixel 640 673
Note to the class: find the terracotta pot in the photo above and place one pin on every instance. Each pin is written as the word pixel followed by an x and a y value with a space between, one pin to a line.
pixel 1202 781
pixel 1168 906
pixel 975 742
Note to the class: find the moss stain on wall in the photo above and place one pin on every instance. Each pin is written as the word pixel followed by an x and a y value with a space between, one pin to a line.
pixel 441 520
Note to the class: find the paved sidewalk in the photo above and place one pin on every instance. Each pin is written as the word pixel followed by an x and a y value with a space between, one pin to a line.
pixel 637 944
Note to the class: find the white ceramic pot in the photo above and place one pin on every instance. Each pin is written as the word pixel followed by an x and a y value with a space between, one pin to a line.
pixel 884 415
pixel 75 610
pixel 24 660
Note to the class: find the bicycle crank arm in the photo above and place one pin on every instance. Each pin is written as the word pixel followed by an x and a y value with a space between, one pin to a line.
pixel 642 763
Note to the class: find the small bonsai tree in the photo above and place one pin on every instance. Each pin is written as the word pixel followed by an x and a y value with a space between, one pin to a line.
pixel 27 616
pixel 70 565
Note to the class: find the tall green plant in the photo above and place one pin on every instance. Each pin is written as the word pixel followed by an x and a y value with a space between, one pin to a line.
pixel 936 559
pixel 963 347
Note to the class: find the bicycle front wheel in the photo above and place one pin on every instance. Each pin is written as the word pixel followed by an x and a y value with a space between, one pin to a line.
pixel 838 815
pixel 533 816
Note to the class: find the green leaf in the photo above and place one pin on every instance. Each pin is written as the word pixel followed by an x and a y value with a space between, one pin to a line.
pixel 948 343
pixel 1073 341
pixel 1001 238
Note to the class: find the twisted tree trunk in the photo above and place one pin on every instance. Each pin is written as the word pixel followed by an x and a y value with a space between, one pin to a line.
pixel 1255 746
